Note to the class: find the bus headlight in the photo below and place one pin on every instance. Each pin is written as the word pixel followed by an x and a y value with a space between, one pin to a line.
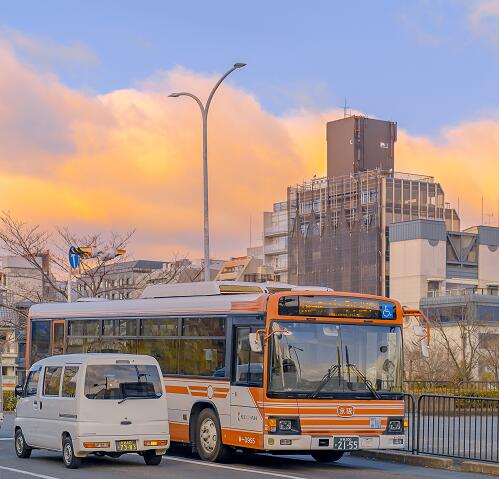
pixel 395 425
pixel 284 425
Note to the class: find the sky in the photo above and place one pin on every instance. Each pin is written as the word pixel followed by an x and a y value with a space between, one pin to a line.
pixel 90 140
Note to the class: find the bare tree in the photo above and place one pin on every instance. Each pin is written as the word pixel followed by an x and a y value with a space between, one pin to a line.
pixel 459 338
pixel 489 354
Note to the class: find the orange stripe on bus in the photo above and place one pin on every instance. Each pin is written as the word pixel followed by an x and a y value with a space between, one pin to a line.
pixel 177 389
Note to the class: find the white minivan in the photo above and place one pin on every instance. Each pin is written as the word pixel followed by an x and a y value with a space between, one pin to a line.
pixel 104 404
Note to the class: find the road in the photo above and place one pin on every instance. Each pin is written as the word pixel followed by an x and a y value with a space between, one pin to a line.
pixel 183 465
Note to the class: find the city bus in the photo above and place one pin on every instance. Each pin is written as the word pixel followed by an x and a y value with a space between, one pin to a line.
pixel 279 369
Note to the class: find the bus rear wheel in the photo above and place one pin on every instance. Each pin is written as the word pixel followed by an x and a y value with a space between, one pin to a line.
pixel 327 456
pixel 209 437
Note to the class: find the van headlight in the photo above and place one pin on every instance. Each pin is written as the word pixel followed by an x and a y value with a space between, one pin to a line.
pixel 284 425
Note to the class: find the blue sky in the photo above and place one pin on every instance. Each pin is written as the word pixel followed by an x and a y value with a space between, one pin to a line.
pixel 423 64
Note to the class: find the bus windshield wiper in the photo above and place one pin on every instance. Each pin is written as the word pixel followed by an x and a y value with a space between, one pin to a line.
pixel 328 376
pixel 360 375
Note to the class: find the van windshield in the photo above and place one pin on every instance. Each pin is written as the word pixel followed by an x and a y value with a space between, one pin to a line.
pixel 122 381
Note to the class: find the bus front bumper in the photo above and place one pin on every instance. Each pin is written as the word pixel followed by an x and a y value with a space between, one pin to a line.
pixel 277 442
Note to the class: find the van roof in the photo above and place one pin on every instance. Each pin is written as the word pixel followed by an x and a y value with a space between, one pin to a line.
pixel 95 358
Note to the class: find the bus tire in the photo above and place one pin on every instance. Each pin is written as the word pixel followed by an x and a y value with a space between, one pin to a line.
pixel 327 456
pixel 209 437
pixel 23 451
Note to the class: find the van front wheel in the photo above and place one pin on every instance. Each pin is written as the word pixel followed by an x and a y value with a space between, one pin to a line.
pixel 68 454
pixel 151 458
pixel 22 449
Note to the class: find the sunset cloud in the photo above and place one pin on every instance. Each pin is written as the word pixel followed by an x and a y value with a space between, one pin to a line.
pixel 132 158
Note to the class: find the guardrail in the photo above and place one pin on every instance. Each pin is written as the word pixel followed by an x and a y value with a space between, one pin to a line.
pixel 463 427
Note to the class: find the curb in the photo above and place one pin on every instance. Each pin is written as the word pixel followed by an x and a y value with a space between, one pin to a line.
pixel 430 461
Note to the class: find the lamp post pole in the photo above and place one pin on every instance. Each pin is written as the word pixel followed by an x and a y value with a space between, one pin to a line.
pixel 204 114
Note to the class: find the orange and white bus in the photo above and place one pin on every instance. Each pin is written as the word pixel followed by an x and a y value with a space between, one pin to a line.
pixel 248 366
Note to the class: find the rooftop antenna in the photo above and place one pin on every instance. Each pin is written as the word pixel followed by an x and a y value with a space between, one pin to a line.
pixel 345 106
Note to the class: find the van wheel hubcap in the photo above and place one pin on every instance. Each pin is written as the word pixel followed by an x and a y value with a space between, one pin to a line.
pixel 208 435
pixel 19 443
pixel 67 453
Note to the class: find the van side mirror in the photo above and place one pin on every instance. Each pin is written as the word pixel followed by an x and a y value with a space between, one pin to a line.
pixel 18 391
pixel 255 342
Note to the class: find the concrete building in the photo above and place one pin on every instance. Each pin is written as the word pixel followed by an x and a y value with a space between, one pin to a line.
pixel 453 276
pixel 21 284
pixel 428 261
pixel 275 241
pixel 245 268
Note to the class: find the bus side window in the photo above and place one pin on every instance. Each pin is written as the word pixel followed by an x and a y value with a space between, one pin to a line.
pixel 249 364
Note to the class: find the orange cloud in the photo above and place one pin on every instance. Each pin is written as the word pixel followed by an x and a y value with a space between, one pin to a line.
pixel 132 159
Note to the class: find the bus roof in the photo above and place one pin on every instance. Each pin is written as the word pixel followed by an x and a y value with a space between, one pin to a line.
pixel 221 304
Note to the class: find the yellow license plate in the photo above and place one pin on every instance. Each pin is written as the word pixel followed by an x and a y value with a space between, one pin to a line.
pixel 125 446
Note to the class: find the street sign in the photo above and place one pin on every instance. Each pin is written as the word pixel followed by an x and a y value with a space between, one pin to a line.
pixel 73 257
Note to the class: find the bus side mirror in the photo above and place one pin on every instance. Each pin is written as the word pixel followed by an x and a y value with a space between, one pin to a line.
pixel 255 342
pixel 18 391
pixel 421 334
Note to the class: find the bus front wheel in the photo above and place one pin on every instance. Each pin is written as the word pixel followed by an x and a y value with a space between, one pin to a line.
pixel 327 456
pixel 209 437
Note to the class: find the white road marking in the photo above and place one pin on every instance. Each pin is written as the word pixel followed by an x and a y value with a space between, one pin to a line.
pixel 26 473
pixel 6 438
pixel 239 469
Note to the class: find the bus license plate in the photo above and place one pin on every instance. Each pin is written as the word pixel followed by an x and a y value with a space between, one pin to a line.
pixel 346 443
pixel 125 446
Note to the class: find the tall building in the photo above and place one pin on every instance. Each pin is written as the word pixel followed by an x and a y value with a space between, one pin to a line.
pixel 275 241
pixel 332 231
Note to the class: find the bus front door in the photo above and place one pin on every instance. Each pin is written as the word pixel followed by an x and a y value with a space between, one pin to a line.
pixel 246 407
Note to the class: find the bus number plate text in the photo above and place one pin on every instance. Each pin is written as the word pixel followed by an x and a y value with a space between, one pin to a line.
pixel 345 443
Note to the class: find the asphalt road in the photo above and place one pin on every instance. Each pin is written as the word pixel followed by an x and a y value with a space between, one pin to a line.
pixel 182 465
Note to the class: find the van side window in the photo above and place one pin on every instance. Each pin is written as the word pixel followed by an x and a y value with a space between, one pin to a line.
pixel 32 383
pixel 52 380
pixel 69 381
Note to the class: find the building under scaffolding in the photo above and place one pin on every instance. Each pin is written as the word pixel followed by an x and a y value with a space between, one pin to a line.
pixel 338 226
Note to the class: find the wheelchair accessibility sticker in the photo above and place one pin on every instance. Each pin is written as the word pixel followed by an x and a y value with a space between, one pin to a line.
pixel 387 311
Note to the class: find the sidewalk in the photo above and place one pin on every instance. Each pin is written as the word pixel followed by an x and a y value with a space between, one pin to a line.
pixel 461 465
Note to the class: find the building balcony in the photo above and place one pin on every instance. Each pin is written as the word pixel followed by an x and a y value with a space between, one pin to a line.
pixel 493 291
pixel 274 249
pixel 274 231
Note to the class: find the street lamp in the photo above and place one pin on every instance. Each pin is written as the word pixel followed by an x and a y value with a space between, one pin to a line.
pixel 204 114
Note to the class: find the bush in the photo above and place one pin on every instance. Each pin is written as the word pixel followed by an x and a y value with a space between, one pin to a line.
pixel 9 401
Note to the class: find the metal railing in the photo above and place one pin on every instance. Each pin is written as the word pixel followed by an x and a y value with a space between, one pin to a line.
pixel 490 291
pixel 463 427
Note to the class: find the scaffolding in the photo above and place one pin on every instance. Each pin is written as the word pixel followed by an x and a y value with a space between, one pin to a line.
pixel 338 226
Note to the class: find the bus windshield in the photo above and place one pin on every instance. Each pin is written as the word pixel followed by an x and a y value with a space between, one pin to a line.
pixel 324 360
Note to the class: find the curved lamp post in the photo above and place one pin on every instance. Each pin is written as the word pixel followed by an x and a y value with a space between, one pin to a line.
pixel 204 113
